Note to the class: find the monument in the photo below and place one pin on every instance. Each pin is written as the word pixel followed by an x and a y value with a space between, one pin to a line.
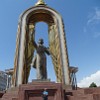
pixel 25 58
pixel 25 47
pixel 65 88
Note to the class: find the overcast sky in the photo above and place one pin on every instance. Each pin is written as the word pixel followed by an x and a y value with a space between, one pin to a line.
pixel 82 26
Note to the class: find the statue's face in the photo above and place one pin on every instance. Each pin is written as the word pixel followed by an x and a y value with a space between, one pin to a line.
pixel 40 41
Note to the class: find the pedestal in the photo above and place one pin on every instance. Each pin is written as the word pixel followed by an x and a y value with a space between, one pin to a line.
pixel 56 91
pixel 33 91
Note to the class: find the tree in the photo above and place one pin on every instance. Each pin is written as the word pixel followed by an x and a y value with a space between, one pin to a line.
pixel 92 85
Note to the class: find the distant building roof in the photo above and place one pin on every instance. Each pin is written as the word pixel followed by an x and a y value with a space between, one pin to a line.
pixel 9 71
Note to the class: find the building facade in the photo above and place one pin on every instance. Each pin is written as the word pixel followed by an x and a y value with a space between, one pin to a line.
pixel 3 80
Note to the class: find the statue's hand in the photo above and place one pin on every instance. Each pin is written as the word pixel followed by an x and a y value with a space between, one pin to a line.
pixel 48 50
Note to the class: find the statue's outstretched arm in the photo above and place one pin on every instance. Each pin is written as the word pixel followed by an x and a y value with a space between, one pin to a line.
pixel 47 51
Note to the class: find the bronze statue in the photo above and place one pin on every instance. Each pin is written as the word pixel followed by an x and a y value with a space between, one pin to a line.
pixel 39 61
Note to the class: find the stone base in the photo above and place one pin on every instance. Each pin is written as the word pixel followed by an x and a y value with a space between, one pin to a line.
pixel 56 91
pixel 67 87
pixel 41 80
pixel 11 94
pixel 33 91
pixel 83 94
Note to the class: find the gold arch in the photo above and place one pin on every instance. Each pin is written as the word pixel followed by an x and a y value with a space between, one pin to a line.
pixel 57 44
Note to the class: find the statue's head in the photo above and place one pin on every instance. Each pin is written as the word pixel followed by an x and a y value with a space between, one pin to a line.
pixel 41 41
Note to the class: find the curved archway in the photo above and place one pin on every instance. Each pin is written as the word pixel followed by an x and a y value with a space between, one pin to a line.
pixel 57 44
pixel 41 31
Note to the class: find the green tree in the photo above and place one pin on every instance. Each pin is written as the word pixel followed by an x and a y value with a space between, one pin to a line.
pixel 92 85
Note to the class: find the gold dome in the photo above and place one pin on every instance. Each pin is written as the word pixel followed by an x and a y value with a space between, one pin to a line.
pixel 40 2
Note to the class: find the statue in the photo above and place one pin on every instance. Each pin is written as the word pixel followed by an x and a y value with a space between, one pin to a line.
pixel 39 61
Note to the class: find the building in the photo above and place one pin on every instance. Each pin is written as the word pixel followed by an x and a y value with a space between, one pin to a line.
pixel 9 73
pixel 3 80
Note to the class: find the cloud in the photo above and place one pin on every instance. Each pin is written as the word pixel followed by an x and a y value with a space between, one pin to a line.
pixel 94 17
pixel 85 82
pixel 93 23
